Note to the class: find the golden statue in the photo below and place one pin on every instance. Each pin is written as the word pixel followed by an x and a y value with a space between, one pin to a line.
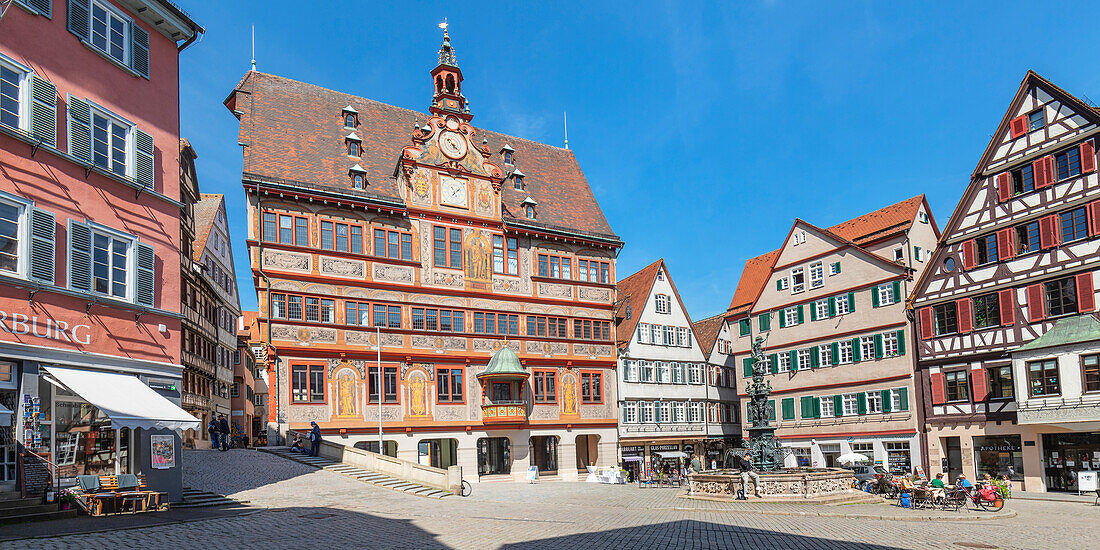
pixel 417 398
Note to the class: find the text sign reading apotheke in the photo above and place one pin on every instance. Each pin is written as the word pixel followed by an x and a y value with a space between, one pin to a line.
pixel 49 329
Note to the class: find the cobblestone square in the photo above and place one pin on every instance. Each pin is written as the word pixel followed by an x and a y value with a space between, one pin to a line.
pixel 298 506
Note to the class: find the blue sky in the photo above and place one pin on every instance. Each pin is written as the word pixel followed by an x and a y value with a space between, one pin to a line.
pixel 703 129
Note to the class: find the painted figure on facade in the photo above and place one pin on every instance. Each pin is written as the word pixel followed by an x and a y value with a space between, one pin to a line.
pixel 345 394
pixel 418 399
pixel 569 394
pixel 478 260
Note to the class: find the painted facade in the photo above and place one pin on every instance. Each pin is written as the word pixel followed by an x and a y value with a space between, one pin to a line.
pixel 1020 252
pixel 397 251
pixel 89 188
pixel 830 304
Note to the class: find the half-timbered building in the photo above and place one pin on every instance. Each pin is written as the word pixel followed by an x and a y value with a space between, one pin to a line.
pixel 723 407
pixel 830 303
pixel 395 252
pixel 1019 253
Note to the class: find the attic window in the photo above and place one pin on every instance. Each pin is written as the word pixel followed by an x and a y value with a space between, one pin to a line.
pixel 351 117
pixel 349 121
pixel 1036 120
pixel 519 184
pixel 923 216
pixel 507 157
pixel 357 181
pixel 529 211
pixel 353 149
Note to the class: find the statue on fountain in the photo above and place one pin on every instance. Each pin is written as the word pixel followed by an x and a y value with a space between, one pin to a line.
pixel 765 451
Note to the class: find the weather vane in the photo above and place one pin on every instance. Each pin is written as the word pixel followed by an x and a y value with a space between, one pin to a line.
pixel 443 25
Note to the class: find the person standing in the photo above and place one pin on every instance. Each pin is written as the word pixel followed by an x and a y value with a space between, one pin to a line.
pixel 695 466
pixel 223 428
pixel 314 439
pixel 744 463
pixel 213 429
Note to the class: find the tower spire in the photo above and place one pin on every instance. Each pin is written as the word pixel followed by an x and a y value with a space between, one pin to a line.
pixel 447 98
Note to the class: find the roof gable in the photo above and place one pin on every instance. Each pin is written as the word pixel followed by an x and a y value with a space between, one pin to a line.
pixel 707 332
pixel 636 291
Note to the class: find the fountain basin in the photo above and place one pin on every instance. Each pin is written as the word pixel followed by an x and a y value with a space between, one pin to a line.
pixel 792 483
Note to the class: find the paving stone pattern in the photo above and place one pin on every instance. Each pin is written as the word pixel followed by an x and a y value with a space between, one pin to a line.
pixel 311 508
pixel 366 476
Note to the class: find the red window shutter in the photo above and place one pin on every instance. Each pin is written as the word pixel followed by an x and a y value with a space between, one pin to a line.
pixel 1048 231
pixel 968 255
pixel 1018 126
pixel 938 391
pixel 1086 298
pixel 965 316
pixel 1007 299
pixel 1004 186
pixel 1094 218
pixel 1006 243
pixel 1035 309
pixel 925 323
pixel 978 385
pixel 1088 157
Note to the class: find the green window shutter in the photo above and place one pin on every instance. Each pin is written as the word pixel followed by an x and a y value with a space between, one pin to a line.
pixel 146 274
pixel 916 253
pixel 904 399
pixel 779 284
pixel 746 326
pixel 817 406
pixel 901 342
pixel 79 17
pixel 782 318
pixel 832 306
pixel 835 359
pixel 878 346
pixel 80 125
pixel 788 408
pixel 855 351
pixel 801 315
pixel 838 406
pixel 771 410
pixel 43 111
pixel 773 367
pixel 813 311
pixel 885 401
pixel 764 322
pixel 794 359
pixel 837 264
pixel 815 357
pixel 807 407
pixel 746 365
pixel 42 246
pixel 80 256
pixel 143 158
pixel 861 403
pixel 851 302
pixel 897 292
pixel 874 296
pixel 139 53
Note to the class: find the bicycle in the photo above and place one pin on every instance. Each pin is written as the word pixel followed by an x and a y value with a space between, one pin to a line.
pixel 466 489
pixel 985 498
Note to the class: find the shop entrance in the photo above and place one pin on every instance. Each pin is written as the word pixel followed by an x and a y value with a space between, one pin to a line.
pixel 544 453
pixel 632 460
pixel 587 451
pixel 898 457
pixel 953 463
pixel 829 453
pixel 494 456
pixel 1066 454
pixel 999 456
pixel 438 453
pixel 7 445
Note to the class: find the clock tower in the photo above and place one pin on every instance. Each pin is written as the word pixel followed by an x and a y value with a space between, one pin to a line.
pixel 447 79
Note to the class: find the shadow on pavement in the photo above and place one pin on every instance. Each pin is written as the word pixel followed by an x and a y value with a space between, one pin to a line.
pixel 237 470
pixel 85 524
pixel 692 534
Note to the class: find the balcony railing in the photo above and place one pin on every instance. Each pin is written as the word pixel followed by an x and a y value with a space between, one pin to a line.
pixel 195 400
pixel 505 412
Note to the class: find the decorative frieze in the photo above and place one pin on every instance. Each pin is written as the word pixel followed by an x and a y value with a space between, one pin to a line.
pixel 548 349
pixel 339 267
pixel 438 343
pixel 393 273
pixel 593 294
pixel 490 345
pixel 448 279
pixel 553 290
pixel 593 350
pixel 363 338
pixel 286 261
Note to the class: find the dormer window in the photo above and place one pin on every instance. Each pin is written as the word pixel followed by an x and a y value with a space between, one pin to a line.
pixel 529 211
pixel 351 117
pixel 353 149
pixel 352 140
pixel 507 153
pixel 358 176
pixel 517 179
pixel 349 121
pixel 507 157
pixel 357 181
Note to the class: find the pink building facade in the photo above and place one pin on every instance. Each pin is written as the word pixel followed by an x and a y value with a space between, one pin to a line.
pixel 89 229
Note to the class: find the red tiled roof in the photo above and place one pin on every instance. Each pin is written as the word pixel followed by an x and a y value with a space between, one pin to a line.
pixel 861 230
pixel 294 132
pixel 205 209
pixel 707 330
pixel 635 291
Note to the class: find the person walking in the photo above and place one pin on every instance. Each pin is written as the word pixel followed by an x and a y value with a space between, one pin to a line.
pixel 314 439
pixel 223 428
pixel 744 463
pixel 213 429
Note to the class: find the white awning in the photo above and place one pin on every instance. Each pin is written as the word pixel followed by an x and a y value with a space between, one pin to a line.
pixel 672 454
pixel 5 416
pixel 125 399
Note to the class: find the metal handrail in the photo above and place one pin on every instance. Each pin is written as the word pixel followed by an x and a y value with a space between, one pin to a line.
pixel 55 472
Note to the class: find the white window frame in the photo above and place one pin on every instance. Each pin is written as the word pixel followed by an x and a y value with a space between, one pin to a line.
pixel 832 268
pixel 695 413
pixel 22 234
pixel 127 35
pixel 678 412
pixel 647 371
pixel 23 101
pixel 664 372
pixel 655 334
pixel 630 412
pixel 822 307
pixel 784 358
pixel 646 415
pixel 874 402
pixel 890 344
pixel 886 295
pixel 630 370
pixel 825 356
pixel 95 109
pixel 845 352
pixel 842 299
pixel 817 275
pixel 643 333
pixel 131 262
pixel 849 404
pixel 696 370
pixel 676 373
pixel 790 316
pixel 899 254
pixel 797 287
pixel 665 412
pixel 783 283
pixel 670 336
pixel 826 406
pixel 866 348
pixel 803 359
pixel 895 399
pixel 662 303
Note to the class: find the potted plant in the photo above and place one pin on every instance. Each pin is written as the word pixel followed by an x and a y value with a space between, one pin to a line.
pixel 67 498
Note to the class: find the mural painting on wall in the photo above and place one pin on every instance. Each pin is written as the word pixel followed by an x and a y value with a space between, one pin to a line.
pixel 479 257
pixel 483 199
pixel 569 394
pixel 421 184
pixel 347 394
pixel 418 399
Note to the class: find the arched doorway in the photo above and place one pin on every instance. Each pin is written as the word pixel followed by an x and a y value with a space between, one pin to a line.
pixel 544 453
pixel 494 456
pixel 587 451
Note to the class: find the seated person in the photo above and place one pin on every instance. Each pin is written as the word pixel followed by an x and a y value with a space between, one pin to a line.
pixel 937 486
pixel 298 445
pixel 962 482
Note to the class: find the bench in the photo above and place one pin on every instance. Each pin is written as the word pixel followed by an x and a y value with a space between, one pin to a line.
pixel 105 494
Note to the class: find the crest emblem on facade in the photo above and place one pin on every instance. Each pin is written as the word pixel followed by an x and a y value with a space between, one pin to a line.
pixel 420 183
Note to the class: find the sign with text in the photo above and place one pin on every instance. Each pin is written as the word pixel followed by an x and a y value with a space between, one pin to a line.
pixel 46 328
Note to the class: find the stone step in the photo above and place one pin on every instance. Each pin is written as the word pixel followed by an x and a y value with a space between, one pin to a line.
pixel 18 503
pixel 27 510
pixel 360 474
pixel 41 516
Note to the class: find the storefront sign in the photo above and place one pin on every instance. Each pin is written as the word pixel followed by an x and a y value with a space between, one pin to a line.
pixel 634 450
pixel 1000 448
pixel 1086 481
pixel 689 449
pixel 657 448
pixel 164 451
pixel 49 329
pixel 162 386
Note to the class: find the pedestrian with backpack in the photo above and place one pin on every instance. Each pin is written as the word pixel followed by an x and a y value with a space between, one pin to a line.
pixel 223 427
pixel 213 428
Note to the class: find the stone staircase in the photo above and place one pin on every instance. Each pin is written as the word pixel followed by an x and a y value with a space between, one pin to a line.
pixel 360 474
pixel 194 498
pixel 18 510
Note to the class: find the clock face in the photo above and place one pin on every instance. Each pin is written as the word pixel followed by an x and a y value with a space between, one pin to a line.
pixel 452 192
pixel 452 144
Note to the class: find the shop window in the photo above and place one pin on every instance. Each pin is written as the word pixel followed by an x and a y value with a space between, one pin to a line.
pixel 1000 382
pixel 389 382
pixel 1000 456
pixel 449 385
pixel 591 387
pixel 1043 379
pixel 544 382
pixel 957 390
pixel 1090 369
pixel 307 383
